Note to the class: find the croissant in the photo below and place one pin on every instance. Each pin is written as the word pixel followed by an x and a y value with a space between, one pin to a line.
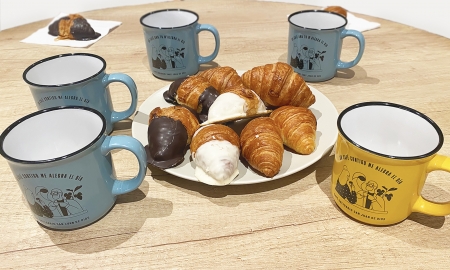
pixel 222 77
pixel 337 9
pixel 73 26
pixel 170 130
pixel 236 102
pixel 278 85
pixel 298 128
pixel 215 150
pixel 193 92
pixel 262 145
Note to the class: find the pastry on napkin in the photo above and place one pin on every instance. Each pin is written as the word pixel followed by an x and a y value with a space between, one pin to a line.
pixel 42 36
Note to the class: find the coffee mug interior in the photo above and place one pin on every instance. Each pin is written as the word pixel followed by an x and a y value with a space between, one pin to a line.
pixel 390 130
pixel 317 20
pixel 171 18
pixel 52 134
pixel 64 69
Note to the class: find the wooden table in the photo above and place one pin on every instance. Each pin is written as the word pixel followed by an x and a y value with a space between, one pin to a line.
pixel 291 223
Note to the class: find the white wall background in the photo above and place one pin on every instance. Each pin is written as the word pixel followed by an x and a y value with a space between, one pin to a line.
pixel 431 15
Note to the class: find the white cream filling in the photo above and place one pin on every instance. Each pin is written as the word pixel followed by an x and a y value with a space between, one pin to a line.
pixel 230 106
pixel 216 162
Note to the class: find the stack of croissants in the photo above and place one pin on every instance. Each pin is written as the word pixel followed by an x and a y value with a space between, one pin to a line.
pixel 274 100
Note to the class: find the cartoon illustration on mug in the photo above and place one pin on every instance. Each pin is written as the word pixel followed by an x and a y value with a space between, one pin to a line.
pixel 167 57
pixel 305 58
pixel 361 192
pixel 55 203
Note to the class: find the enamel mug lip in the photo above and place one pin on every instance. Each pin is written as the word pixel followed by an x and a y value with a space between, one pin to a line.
pixel 165 10
pixel 44 161
pixel 402 107
pixel 317 11
pixel 24 75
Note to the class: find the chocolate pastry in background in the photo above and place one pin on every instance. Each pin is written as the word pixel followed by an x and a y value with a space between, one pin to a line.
pixel 215 150
pixel 193 92
pixel 170 131
pixel 262 145
pixel 337 9
pixel 237 102
pixel 279 85
pixel 298 127
pixel 73 26
pixel 222 77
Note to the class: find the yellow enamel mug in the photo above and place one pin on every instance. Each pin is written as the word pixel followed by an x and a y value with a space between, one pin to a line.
pixel 384 153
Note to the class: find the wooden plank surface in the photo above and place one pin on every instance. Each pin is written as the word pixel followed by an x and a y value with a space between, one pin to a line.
pixel 290 223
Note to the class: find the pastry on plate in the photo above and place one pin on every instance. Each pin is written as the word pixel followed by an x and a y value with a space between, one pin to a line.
pixel 222 77
pixel 170 131
pixel 193 92
pixel 215 150
pixel 298 127
pixel 236 103
pixel 262 146
pixel 279 85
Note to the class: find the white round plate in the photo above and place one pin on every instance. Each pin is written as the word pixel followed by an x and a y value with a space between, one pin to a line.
pixel 326 135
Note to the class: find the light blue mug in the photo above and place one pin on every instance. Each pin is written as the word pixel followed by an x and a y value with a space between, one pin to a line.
pixel 61 159
pixel 78 79
pixel 315 44
pixel 171 39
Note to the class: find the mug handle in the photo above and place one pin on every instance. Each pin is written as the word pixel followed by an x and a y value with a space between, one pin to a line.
pixel 438 163
pixel 128 81
pixel 362 45
pixel 213 30
pixel 133 145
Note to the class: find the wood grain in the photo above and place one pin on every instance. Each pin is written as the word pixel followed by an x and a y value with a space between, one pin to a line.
pixel 291 223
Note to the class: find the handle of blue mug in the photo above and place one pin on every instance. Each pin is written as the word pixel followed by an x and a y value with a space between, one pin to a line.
pixel 213 30
pixel 133 145
pixel 131 85
pixel 362 45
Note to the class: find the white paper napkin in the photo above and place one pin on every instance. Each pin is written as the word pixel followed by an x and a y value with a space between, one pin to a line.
pixel 359 24
pixel 42 36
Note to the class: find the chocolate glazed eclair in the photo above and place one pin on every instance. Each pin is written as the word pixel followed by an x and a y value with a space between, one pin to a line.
pixel 170 131
pixel 195 93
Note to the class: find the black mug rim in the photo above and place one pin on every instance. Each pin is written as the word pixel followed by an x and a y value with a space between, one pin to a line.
pixel 45 161
pixel 35 64
pixel 165 10
pixel 389 104
pixel 317 11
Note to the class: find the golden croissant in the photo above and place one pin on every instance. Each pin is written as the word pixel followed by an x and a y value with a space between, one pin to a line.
pixel 298 128
pixel 262 145
pixel 222 77
pixel 279 85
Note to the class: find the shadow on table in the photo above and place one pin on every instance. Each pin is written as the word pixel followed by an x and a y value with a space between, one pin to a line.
pixel 231 195
pixel 122 222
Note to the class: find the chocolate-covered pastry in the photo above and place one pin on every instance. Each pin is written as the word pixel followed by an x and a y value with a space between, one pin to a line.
pixel 170 131
pixel 194 92
pixel 73 26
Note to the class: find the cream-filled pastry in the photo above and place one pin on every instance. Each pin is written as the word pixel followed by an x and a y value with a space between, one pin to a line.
pixel 235 103
pixel 215 150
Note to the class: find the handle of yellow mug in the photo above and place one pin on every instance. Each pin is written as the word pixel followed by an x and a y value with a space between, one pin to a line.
pixel 438 163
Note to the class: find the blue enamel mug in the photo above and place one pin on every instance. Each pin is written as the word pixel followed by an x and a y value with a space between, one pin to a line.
pixel 61 160
pixel 78 79
pixel 171 39
pixel 315 44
